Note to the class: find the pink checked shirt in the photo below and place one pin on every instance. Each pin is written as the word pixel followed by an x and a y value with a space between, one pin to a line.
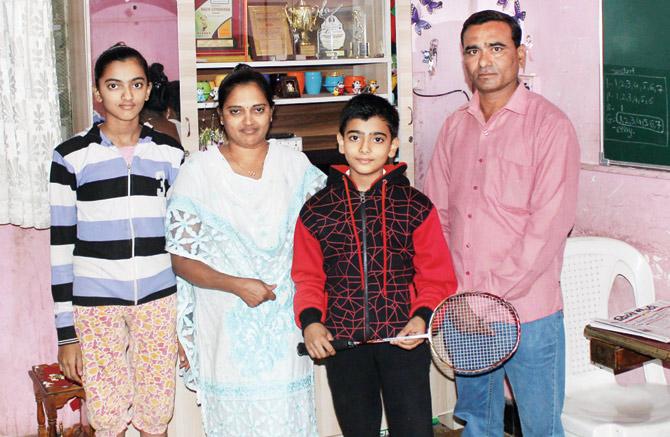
pixel 506 193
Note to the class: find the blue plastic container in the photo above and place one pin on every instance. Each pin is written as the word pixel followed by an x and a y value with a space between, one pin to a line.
pixel 330 82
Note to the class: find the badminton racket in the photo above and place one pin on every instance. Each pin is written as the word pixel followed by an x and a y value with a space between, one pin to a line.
pixel 471 332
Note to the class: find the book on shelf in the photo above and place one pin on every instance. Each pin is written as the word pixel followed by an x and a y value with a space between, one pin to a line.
pixel 649 321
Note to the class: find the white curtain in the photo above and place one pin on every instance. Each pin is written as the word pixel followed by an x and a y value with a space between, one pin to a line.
pixel 29 112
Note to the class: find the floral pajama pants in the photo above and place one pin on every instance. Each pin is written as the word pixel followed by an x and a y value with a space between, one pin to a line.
pixel 129 355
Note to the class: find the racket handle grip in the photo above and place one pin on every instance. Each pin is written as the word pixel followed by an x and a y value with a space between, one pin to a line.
pixel 338 345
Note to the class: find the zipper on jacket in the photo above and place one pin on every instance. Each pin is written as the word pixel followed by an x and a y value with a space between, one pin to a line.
pixel 132 235
pixel 366 314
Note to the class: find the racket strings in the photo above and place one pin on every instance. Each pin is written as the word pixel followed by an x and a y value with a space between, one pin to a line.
pixel 474 332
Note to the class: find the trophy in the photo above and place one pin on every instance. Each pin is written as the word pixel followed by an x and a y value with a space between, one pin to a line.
pixel 331 35
pixel 359 44
pixel 302 20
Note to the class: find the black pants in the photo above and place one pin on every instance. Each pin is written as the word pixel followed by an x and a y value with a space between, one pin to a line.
pixel 355 377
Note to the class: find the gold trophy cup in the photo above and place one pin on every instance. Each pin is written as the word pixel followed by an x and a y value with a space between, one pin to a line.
pixel 302 20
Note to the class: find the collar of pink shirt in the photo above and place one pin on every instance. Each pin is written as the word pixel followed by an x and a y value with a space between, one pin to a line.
pixel 517 103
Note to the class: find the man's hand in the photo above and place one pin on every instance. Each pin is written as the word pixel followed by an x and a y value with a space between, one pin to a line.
pixel 465 320
pixel 317 341
pixel 254 292
pixel 70 361
pixel 416 325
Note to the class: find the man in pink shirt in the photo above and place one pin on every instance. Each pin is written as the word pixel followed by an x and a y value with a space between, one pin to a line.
pixel 504 180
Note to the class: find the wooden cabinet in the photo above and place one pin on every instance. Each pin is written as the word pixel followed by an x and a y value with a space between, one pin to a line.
pixel 314 117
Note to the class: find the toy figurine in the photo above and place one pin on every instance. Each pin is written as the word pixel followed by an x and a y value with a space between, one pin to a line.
pixel 356 86
pixel 371 87
pixel 339 89
pixel 203 89
pixel 214 94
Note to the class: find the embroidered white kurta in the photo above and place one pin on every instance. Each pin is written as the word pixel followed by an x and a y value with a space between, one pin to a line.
pixel 243 360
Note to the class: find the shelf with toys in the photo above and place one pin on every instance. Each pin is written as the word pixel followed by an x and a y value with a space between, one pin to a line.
pixel 312 86
pixel 320 98
pixel 294 114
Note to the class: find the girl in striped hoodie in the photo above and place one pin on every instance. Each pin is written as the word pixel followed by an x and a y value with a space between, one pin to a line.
pixel 112 281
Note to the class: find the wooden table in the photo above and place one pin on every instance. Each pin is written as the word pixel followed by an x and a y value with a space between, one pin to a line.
pixel 52 392
pixel 623 352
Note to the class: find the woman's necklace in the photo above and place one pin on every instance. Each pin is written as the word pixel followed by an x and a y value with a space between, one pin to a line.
pixel 252 173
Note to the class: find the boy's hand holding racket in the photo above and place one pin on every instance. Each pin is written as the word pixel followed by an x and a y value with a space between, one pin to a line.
pixel 318 341
pixel 416 325
pixel 471 332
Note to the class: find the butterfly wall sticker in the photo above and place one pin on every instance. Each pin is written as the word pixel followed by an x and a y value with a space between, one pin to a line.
pixel 419 24
pixel 431 5
pixel 518 13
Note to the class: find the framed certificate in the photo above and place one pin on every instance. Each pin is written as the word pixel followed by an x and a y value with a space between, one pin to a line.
pixel 269 33
pixel 221 30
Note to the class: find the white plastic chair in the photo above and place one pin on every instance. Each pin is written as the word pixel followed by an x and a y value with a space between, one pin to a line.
pixel 595 405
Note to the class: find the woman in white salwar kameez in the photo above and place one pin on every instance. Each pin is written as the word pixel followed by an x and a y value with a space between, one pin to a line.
pixel 230 219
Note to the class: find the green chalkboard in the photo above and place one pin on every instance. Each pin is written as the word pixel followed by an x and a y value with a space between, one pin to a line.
pixel 636 74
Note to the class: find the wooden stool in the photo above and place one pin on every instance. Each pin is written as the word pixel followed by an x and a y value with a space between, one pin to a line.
pixel 52 392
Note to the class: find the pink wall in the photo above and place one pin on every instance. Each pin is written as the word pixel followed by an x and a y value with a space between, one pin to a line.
pixel 26 323
pixel 150 26
pixel 430 112
pixel 631 205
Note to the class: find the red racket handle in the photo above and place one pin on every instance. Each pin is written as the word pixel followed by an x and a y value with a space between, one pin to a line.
pixel 338 345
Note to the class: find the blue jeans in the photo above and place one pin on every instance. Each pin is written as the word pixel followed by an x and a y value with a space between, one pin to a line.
pixel 536 373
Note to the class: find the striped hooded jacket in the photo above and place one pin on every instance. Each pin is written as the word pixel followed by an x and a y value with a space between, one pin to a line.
pixel 107 223
pixel 364 263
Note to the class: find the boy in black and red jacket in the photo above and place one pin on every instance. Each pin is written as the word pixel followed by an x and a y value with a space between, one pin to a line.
pixel 370 262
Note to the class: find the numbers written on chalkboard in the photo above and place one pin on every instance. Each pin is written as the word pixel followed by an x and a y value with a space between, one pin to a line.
pixel 636 105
